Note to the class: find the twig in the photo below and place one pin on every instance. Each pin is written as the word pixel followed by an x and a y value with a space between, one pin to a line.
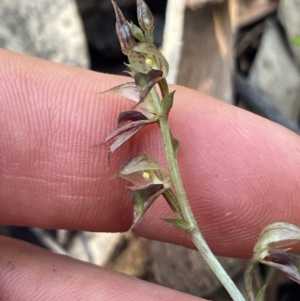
pixel 262 103
pixel 46 240
pixel 248 38
pixel 86 246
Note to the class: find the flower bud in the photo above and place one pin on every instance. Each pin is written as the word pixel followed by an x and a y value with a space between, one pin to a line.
pixel 123 30
pixel 137 32
pixel 149 179
pixel 145 19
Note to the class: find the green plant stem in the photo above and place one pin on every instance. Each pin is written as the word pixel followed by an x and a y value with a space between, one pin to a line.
pixel 187 213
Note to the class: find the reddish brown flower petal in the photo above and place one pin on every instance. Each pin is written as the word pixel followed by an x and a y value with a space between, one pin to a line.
pixel 129 126
pixel 122 138
pixel 130 116
pixel 146 82
pixel 143 199
pixel 289 264
pixel 124 132
pixel 128 90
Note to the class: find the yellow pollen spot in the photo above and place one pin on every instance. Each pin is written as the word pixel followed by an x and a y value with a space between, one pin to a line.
pixel 149 62
pixel 146 175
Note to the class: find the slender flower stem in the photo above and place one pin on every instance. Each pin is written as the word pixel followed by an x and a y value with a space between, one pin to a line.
pixel 187 213
pixel 148 66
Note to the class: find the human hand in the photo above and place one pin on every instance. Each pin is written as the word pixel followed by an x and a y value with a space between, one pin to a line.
pixel 240 171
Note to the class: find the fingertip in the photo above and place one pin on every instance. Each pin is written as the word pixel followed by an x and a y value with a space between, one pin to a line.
pixel 31 273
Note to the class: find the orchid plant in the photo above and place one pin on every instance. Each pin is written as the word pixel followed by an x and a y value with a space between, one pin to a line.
pixel 148 69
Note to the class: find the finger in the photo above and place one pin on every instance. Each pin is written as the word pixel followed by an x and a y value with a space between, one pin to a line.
pixel 31 273
pixel 240 171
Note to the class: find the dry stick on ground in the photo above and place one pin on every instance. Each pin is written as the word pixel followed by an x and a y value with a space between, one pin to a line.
pixel 201 52
pixel 47 240
pixel 256 11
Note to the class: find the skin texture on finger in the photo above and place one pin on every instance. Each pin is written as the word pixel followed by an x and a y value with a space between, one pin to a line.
pixel 240 171
pixel 31 273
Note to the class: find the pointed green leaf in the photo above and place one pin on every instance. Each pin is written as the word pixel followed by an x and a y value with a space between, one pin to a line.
pixel 131 72
pixel 175 144
pixel 167 103
pixel 178 223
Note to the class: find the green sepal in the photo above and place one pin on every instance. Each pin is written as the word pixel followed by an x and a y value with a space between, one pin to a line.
pixel 137 32
pixel 144 52
pixel 275 248
pixel 172 201
pixel 248 279
pixel 163 86
pixel 131 71
pixel 147 81
pixel 167 103
pixel 261 294
pixel 178 223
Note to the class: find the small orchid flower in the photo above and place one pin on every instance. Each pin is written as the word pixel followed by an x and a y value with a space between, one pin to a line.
pixel 149 179
pixel 277 246
pixel 129 123
pixel 144 57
